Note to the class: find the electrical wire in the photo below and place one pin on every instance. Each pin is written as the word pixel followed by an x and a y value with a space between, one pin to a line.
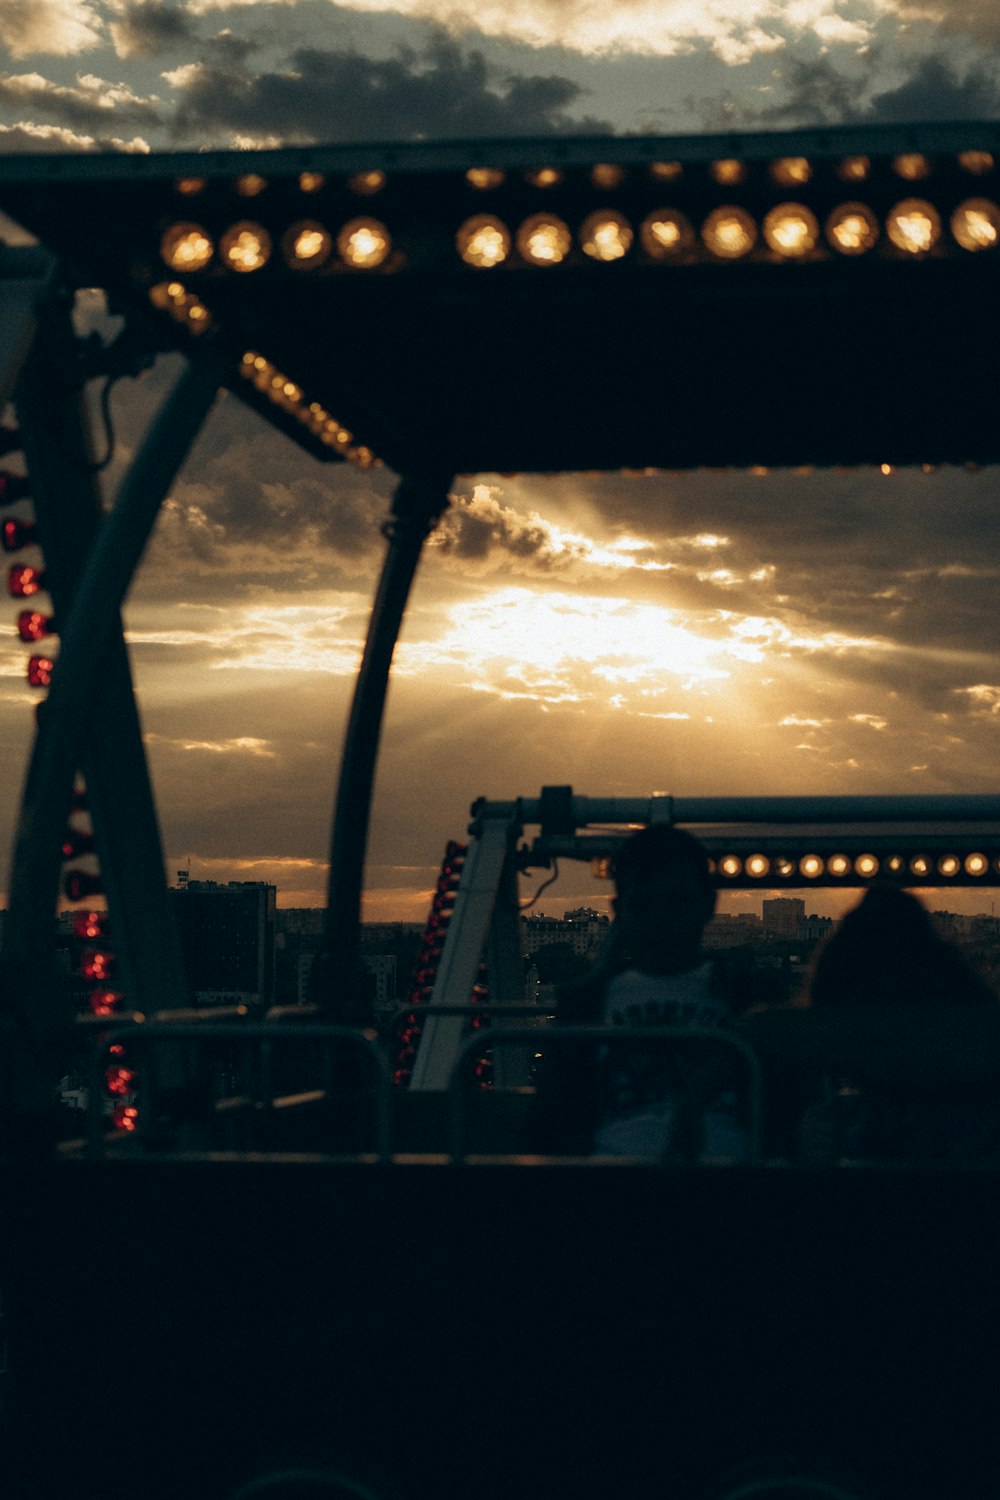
pixel 527 905
pixel 108 425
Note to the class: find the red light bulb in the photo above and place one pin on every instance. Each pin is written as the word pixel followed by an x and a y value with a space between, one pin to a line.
pixel 23 580
pixel 125 1117
pixel 32 625
pixel 105 1002
pixel 76 843
pixel 90 924
pixel 97 964
pixel 40 671
pixel 120 1080
pixel 15 534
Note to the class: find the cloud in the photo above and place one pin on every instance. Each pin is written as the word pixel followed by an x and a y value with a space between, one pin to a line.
pixel 936 91
pixel 150 27
pixel 92 104
pixel 335 95
pixel 60 28
pixel 977 18
pixel 26 137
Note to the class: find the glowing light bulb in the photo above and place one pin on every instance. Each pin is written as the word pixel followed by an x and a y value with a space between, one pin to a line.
pixel 914 226
pixel 186 247
pixel 758 865
pixel 364 244
pixel 40 669
pixel 976 163
pixel 24 581
pixel 33 626
pixel 190 186
pixel 105 1002
pixel 544 177
pixel 949 865
pixel 665 171
pixel 607 175
pixel 730 865
pixel 784 867
pixel 251 185
pixel 665 234
pixel 852 229
pixel 484 178
pixel 728 171
pixel 920 865
pixel 976 864
pixel 866 865
pixel 854 168
pixel 543 240
pixel 729 232
pixel 911 165
pixel 976 224
pixel 245 247
pixel 811 866
pixel 606 235
pixel 311 182
pixel 788 171
pixel 839 865
pixel 366 183
pixel 306 245
pixel 483 241
pixel 791 230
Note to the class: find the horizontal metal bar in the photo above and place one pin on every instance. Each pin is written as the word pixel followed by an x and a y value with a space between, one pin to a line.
pixel 977 808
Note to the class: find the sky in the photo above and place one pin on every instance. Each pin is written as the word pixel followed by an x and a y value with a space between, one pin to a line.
pixel 697 634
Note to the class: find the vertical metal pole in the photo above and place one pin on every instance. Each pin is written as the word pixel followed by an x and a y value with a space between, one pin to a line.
pixel 337 981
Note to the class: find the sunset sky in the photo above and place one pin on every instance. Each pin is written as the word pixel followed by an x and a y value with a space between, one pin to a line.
pixel 697 634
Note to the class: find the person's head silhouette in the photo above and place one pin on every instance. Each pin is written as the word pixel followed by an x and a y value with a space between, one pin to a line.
pixel 665 897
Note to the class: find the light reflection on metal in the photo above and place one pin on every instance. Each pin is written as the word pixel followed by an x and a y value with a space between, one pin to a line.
pixel 245 246
pixel 606 235
pixel 788 171
pixel 852 229
pixel 729 232
pixel 976 224
pixel 914 226
pixel 483 241
pixel 666 233
pixel 364 244
pixel 306 245
pixel 791 230
pixel 544 240
pixel 186 247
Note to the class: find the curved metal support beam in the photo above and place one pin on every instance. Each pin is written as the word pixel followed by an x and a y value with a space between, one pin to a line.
pixel 337 981
pixel 91 647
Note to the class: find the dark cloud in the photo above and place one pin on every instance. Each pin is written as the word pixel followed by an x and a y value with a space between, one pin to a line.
pixel 815 91
pixel 148 28
pixel 978 18
pixel 335 95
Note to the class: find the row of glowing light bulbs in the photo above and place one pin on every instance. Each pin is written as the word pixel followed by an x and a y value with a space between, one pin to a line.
pixel 812 866
pixel 785 171
pixel 790 230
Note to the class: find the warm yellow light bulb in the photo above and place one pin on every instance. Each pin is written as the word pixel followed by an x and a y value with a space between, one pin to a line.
pixel 839 865
pixel 483 241
pixel 976 163
pixel 607 175
pixel 311 182
pixel 665 171
pixel 976 224
pixel 364 243
pixel 787 171
pixel 811 866
pixel 606 235
pixel 728 171
pixel 729 232
pixel 911 165
pixel 976 864
pixel 484 178
pixel 758 865
pixel 190 186
pixel 914 226
pixel 949 864
pixel 791 230
pixel 544 177
pixel 852 229
pixel 250 185
pixel 186 247
pixel 245 246
pixel 366 183
pixel 920 865
pixel 306 245
pixel 544 240
pixel 665 233
pixel 730 865
pixel 854 168
pixel 866 865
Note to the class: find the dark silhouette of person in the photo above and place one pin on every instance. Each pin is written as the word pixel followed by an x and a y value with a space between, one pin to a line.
pixel 886 954
pixel 653 971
